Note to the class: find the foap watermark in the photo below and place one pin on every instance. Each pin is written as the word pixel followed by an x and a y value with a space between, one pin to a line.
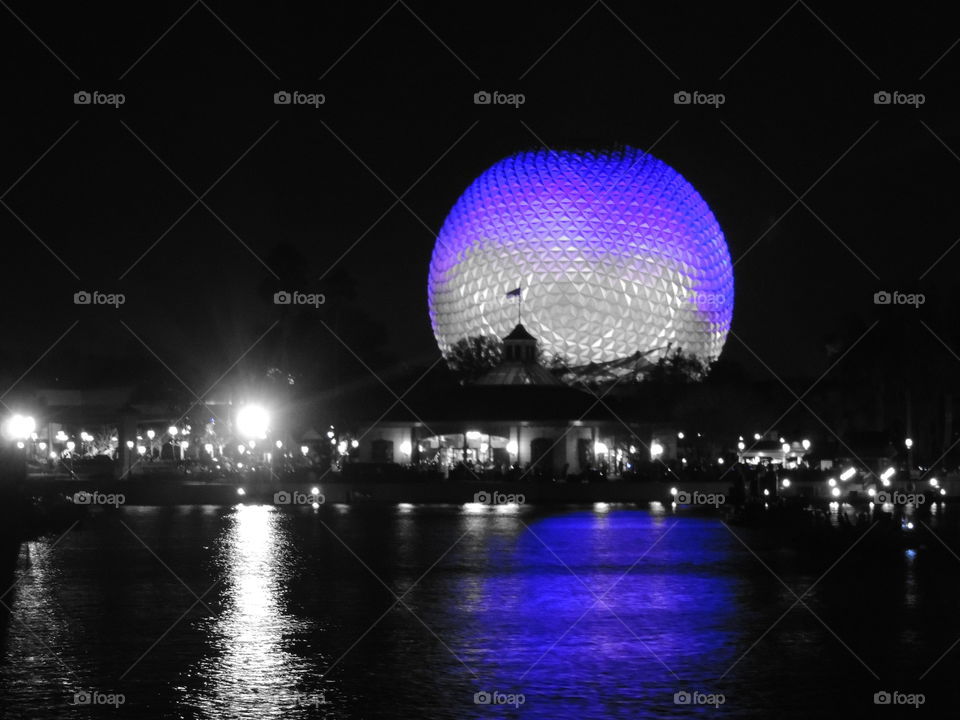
pixel 695 97
pixel 707 300
pixel 84 97
pixel 495 697
pixel 498 498
pixel 695 497
pixel 894 697
pixel 685 697
pixel 895 497
pixel 94 697
pixel 296 497
pixel 283 297
pixel 95 297
pixel 496 97
pixel 295 97
pixel 895 97
pixel 87 497
pixel 883 297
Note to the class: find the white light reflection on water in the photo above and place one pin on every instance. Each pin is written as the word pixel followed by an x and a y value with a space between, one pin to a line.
pixel 249 672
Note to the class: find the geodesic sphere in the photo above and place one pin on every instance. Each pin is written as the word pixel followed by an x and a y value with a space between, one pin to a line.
pixel 615 252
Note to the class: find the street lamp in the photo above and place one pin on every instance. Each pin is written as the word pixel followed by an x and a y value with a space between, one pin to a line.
pixel 253 422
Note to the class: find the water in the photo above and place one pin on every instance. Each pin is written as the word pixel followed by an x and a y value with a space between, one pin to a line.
pixel 585 613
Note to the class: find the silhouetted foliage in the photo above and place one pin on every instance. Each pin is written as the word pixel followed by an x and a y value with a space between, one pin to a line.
pixel 471 357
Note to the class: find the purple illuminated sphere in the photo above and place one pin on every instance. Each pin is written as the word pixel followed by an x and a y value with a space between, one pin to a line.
pixel 615 252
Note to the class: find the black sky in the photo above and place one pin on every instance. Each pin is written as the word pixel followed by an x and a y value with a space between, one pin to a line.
pixel 399 82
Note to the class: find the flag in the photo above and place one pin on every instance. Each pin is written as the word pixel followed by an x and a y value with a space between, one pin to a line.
pixel 514 293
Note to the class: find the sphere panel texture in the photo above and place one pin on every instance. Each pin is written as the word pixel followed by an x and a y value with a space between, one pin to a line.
pixel 615 253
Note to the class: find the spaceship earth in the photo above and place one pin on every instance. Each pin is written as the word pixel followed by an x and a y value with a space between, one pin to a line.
pixel 614 252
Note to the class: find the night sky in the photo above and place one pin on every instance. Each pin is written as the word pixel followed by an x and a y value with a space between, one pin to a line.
pixel 306 198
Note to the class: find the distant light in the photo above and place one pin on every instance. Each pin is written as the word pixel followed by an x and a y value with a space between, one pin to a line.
pixel 720 461
pixel 61 436
pixel 848 473
pixel 151 434
pixel 314 491
pixel 473 434
pixel 141 449
pixel 279 444
pixel 342 447
pixel 172 431
pixel 806 444
pixel 512 447
pixel 484 448
pixel 888 473
pixel 934 482
pixel 241 448
pixel 252 444
pixel 330 434
pixel 354 444
pixel 633 449
pixel 766 492
pixel 315 505
pixel 405 447
pixel 19 427
pixel 20 444
pixel 241 491
pixel 71 445
pixel 785 482
pixel 908 442
pixel 831 482
pixel 253 421
pixel 184 444
pixel 42 446
pixel 239 466
pixel 208 447
pixel 741 446
pixel 129 445
pixel 756 436
pixel 943 491
pixel 908 526
pixel 673 491
pixel 886 483
pixel 304 449
pixel 405 507
pixel 656 449
pixel 835 492
pixel 871 491
pixel 600 448
pixel 601 507
pixel 53 455
pixel 785 447
pixel 680 435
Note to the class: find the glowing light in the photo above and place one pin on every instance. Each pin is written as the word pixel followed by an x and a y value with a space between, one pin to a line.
pixel 314 490
pixel 766 492
pixel 141 449
pixel 61 436
pixel 172 431
pixel 618 251
pixel 806 444
pixel 208 448
pixel 720 461
pixel 129 445
pixel 513 447
pixel 342 447
pixel 848 473
pixel 43 446
pixel 673 491
pixel 785 482
pixel 600 448
pixel 872 492
pixel 184 444
pixel 304 449
pixel 943 491
pixel 19 427
pixel 656 449
pixel 71 445
pixel 756 436
pixel 315 505
pixel 241 491
pixel 241 448
pixel 151 434
pixel 741 446
pixel 908 442
pixel 831 482
pixel 354 444
pixel 53 455
pixel 934 482
pixel 601 507
pixel 405 507
pixel 20 444
pixel 785 447
pixel 633 449
pixel 278 444
pixel 680 435
pixel 405 447
pixel 835 492
pixel 253 421
pixel 887 474
pixel 474 434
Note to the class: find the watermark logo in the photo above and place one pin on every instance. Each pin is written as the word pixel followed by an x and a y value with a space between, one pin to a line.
pixel 296 97
pixel 85 497
pixel 93 697
pixel 695 497
pixel 895 497
pixel 296 497
pixel 283 297
pixel 96 97
pixel 95 297
pixel 498 498
pixel 883 297
pixel 894 697
pixel 493 697
pixel 684 97
pixel 895 97
pixel 498 98
pixel 683 697
pixel 708 300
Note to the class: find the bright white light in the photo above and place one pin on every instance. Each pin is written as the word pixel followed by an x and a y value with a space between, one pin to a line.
pixel 208 448
pixel 354 444
pixel 909 526
pixel 934 482
pixel 53 455
pixel 806 444
pixel 886 483
pixel 405 507
pixel 184 444
pixel 673 491
pixel 785 482
pixel 943 491
pixel 85 436
pixel 633 449
pixel 601 507
pixel 42 446
pixel 252 444
pixel 766 492
pixel 848 473
pixel 741 446
pixel 241 491
pixel 241 449
pixel 253 421
pixel 835 492
pixel 141 449
pixel 405 447
pixel 129 445
pixel 656 449
pixel 19 427
pixel 473 434
pixel 513 447
pixel 871 492
pixel 304 449
pixel 908 442
pixel 756 436
pixel 831 482
pixel 785 447
pixel 151 434
pixel 680 435
pixel 315 505
pixel 888 473
pixel 172 431
pixel 279 444
pixel 61 436
pixel 330 434
pixel 71 445
pixel 719 461
pixel 342 447
pixel 600 448
pixel 20 444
